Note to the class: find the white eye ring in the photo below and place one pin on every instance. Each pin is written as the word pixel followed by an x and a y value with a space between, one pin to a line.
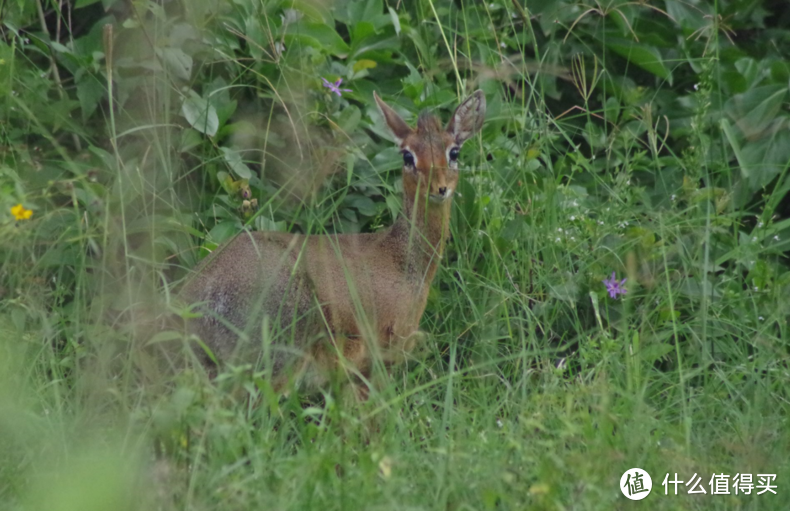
pixel 409 158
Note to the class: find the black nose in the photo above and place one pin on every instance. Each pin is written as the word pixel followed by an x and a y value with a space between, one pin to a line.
pixel 442 190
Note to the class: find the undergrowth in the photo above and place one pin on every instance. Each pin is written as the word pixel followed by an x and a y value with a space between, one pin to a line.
pixel 648 140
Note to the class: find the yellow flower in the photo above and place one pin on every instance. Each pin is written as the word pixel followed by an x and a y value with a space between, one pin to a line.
pixel 20 213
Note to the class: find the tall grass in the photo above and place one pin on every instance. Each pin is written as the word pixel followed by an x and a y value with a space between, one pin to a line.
pixel 536 390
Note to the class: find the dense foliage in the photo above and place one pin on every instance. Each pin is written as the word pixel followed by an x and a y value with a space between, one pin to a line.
pixel 649 138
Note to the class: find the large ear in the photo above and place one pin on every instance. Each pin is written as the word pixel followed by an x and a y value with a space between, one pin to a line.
pixel 468 117
pixel 400 130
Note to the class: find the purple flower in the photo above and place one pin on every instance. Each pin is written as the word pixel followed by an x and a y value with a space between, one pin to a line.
pixel 615 287
pixel 334 87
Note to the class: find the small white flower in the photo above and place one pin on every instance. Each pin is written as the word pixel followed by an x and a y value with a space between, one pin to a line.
pixel 760 224
pixel 776 238
pixel 503 45
pixel 756 288
pixel 673 197
pixel 754 238
pixel 761 318
pixel 291 16
pixel 600 222
pixel 573 217
pixel 559 229
pixel 696 86
pixel 499 423
pixel 557 240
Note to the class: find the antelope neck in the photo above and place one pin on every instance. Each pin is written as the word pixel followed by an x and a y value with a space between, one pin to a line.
pixel 423 228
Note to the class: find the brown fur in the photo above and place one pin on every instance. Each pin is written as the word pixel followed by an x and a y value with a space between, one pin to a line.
pixel 337 301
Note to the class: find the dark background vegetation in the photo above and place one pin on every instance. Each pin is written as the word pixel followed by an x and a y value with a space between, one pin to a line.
pixel 649 138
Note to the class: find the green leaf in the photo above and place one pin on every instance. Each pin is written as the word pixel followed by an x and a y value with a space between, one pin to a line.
pixel 348 119
pixel 234 162
pixel 755 110
pixel 256 37
pixel 646 57
pixel 362 30
pixel 363 204
pixel 176 61
pixel 189 140
pixel 224 231
pixel 395 20
pixel 656 351
pixel 200 114
pixel 319 36
pixel 165 336
pixel 89 91
pixel 766 158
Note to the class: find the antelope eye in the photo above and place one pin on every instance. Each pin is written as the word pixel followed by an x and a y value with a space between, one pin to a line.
pixel 454 154
pixel 408 159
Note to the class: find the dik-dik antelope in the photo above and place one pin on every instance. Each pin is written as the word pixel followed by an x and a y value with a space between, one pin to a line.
pixel 306 305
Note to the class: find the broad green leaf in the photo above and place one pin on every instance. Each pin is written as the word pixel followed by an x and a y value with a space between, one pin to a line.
pixel 189 140
pixel 200 115
pixel 89 91
pixel 176 61
pixel 363 204
pixel 689 16
pixel 348 118
pixel 754 110
pixel 234 162
pixel 766 158
pixel 224 230
pixel 317 35
pixel 655 351
pixel 263 223
pixel 362 30
pixel 646 57
pixel 780 71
